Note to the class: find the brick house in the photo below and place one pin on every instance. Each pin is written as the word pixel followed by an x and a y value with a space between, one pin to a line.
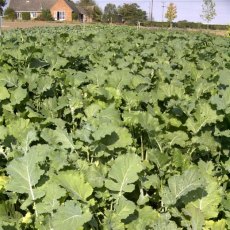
pixel 61 10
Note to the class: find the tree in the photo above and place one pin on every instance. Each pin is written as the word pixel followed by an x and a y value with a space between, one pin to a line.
pixel 171 13
pixel 2 4
pixel 132 13
pixel 110 12
pixel 91 8
pixel 208 10
pixel 45 16
pixel 10 14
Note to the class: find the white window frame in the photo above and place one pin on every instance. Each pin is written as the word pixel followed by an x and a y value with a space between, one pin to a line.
pixel 33 15
pixel 19 15
pixel 62 15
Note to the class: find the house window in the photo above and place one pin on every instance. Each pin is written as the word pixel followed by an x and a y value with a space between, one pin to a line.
pixel 60 15
pixel 33 15
pixel 19 15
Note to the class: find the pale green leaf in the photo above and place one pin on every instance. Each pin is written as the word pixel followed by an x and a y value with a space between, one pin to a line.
pixel 4 94
pixel 197 217
pixel 180 185
pixel 123 173
pixel 75 184
pixel 218 225
pixel 19 128
pixel 50 202
pixel 3 132
pixel 177 138
pixel 24 174
pixel 209 204
pixel 120 138
pixel 124 208
pixel 58 137
pixel 18 95
pixel 70 217
pixel 96 175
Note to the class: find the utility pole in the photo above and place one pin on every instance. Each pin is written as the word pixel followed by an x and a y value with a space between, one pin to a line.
pixel 163 9
pixel 1 19
pixel 151 11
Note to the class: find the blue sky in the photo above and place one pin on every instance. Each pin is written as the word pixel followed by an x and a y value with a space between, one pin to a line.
pixel 186 9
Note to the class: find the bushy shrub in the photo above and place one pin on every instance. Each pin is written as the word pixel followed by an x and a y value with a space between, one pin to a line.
pixel 45 16
pixel 10 14
pixel 74 16
pixel 25 16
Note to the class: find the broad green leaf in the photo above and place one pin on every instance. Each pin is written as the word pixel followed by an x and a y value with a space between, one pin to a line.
pixel 75 184
pixel 197 217
pixel 50 202
pixel 176 138
pixel 4 94
pixel 222 100
pixel 70 216
pixel 19 128
pixel 204 115
pixel 123 173
pixel 218 225
pixel 109 115
pixel 3 132
pixel 103 130
pixel 164 222
pixel 158 157
pixel 96 175
pixel 224 77
pixel 18 95
pixel 180 185
pixel 124 208
pixel 147 216
pixel 206 142
pixel 57 137
pixel 120 138
pixel 210 202
pixel 24 174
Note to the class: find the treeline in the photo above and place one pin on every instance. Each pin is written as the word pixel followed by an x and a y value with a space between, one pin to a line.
pixel 184 25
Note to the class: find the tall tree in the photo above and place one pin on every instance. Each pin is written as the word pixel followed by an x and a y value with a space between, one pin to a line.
pixel 208 10
pixel 171 13
pixel 132 13
pixel 2 4
pixel 91 8
pixel 110 12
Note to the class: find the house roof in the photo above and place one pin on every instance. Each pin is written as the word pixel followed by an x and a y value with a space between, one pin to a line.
pixel 37 5
pixel 72 5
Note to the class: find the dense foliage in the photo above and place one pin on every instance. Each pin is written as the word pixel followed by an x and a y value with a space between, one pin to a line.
pixel 45 16
pixel 186 24
pixel 113 128
pixel 2 4
pixel 91 8
pixel 110 13
pixel 10 14
pixel 132 13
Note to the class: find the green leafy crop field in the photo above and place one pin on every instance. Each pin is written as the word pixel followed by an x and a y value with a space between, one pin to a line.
pixel 114 128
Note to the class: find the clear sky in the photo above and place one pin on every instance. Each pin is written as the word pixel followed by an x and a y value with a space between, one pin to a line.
pixel 186 9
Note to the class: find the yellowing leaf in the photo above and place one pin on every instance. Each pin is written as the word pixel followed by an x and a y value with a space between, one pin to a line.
pixel 4 94
pixel 3 181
